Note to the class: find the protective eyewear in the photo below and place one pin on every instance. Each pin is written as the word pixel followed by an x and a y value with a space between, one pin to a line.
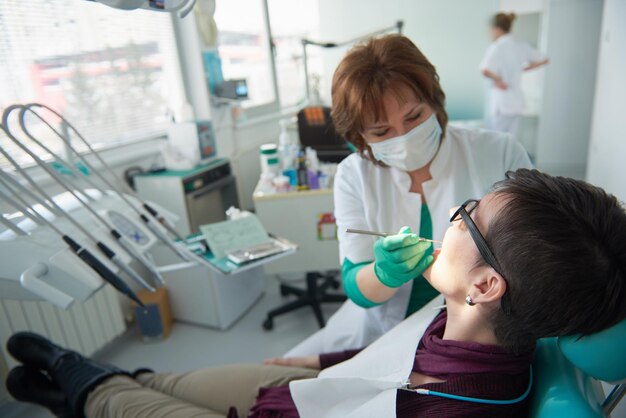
pixel 463 212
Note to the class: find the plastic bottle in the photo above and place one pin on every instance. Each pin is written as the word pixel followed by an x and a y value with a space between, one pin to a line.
pixel 270 162
pixel 313 164
pixel 303 173
pixel 288 151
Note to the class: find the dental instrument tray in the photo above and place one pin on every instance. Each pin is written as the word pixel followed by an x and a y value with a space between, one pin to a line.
pixel 259 251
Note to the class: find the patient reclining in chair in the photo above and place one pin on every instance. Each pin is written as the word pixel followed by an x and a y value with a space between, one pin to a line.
pixel 539 256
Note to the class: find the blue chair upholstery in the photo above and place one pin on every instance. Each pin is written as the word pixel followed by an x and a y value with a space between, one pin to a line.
pixel 568 372
pixel 602 355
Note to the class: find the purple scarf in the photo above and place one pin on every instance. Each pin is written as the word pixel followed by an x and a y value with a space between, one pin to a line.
pixel 442 359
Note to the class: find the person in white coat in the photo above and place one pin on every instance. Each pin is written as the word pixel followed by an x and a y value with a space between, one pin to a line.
pixel 503 64
pixel 411 166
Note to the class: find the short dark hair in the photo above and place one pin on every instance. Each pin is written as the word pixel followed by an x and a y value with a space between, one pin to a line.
pixel 561 244
pixel 388 63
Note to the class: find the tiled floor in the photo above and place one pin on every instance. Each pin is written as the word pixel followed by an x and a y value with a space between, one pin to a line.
pixel 190 347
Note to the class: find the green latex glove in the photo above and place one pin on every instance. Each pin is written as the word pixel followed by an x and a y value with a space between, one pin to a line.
pixel 400 258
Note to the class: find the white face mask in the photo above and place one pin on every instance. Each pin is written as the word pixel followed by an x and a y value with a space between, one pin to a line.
pixel 412 150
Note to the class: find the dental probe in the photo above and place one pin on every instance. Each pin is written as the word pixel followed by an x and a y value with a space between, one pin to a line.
pixel 385 234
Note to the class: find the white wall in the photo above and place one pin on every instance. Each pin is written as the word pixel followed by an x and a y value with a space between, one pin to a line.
pixel 453 34
pixel 607 150
pixel 572 32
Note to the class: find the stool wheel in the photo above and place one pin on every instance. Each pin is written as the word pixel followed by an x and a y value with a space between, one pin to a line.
pixel 268 324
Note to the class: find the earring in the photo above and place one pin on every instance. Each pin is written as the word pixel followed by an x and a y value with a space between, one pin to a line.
pixel 469 301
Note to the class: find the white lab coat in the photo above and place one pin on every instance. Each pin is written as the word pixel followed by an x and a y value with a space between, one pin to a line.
pixel 366 385
pixel 507 58
pixel 378 199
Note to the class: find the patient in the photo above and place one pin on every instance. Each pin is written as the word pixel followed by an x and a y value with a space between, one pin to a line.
pixel 540 256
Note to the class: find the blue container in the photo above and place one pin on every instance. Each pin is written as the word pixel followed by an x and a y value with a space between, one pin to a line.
pixel 212 69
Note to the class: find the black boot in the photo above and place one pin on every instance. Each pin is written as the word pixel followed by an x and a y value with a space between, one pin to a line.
pixel 77 376
pixel 27 384
pixel 34 350
pixel 74 374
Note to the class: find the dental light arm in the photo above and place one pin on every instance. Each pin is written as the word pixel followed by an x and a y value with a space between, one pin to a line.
pixel 184 6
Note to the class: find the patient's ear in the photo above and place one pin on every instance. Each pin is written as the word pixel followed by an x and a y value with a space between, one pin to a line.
pixel 488 286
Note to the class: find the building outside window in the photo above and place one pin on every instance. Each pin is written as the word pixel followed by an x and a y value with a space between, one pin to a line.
pixel 114 74
pixel 245 28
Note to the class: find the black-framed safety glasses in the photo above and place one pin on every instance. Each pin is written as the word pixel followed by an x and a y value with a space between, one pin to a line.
pixel 463 212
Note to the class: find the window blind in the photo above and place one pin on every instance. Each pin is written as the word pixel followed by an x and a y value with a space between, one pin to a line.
pixel 113 74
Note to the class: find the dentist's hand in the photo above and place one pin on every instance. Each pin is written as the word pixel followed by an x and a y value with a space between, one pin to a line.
pixel 401 257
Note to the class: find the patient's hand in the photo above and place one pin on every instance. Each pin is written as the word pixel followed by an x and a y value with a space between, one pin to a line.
pixel 309 362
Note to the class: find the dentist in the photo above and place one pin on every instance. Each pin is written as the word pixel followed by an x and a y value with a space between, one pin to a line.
pixel 410 167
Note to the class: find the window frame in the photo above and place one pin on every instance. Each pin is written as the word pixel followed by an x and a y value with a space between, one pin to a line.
pixel 200 98
pixel 137 146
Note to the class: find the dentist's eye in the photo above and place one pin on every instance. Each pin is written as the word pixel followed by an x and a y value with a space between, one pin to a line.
pixel 416 117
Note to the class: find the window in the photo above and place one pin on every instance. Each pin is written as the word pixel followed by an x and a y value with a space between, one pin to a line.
pixel 114 74
pixel 291 21
pixel 243 46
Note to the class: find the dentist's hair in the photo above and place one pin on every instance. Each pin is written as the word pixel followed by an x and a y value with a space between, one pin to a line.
pixel 387 64
pixel 561 244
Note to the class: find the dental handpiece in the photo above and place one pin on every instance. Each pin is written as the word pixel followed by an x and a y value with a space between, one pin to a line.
pixel 384 234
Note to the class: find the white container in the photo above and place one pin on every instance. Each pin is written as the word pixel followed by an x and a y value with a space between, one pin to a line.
pixel 281 184
pixel 266 183
pixel 270 162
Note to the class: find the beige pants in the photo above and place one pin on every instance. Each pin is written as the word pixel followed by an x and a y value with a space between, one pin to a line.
pixel 203 393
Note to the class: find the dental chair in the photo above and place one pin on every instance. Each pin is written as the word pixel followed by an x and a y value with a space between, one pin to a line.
pixel 568 372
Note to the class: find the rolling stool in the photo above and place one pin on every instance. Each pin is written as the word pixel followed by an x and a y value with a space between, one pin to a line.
pixel 314 295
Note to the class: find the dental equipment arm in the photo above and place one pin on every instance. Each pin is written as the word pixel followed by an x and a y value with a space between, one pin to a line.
pixel 185 6
pixel 116 235
pixel 88 258
pixel 111 186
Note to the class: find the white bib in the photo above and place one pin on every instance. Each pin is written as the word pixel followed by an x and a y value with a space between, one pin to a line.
pixel 366 385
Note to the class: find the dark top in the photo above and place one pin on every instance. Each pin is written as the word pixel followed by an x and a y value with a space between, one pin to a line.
pixel 470 369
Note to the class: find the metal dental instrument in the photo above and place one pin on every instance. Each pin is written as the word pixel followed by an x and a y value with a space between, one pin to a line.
pixel 386 234
pixel 104 272
pixel 10 225
pixel 188 256
pixel 105 249
pixel 9 180
pixel 29 213
pixel 124 243
pixel 86 256
pixel 32 183
pixel 148 208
